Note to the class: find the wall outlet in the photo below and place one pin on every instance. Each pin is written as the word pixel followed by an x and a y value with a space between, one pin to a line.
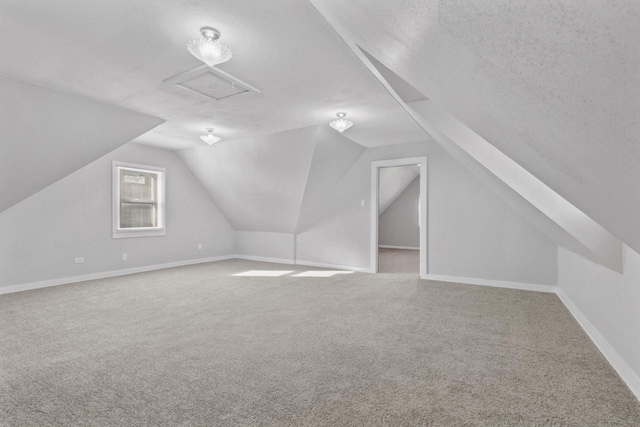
pixel 363 203
pixel 78 260
pixel 124 256
pixel 199 246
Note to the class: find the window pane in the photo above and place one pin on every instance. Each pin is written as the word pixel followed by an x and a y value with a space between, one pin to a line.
pixel 133 215
pixel 138 199
pixel 137 186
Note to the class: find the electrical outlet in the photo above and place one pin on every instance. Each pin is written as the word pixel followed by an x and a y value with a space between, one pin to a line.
pixel 363 203
pixel 78 260
pixel 199 246
pixel 124 256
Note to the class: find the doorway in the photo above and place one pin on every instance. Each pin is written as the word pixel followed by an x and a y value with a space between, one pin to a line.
pixel 399 215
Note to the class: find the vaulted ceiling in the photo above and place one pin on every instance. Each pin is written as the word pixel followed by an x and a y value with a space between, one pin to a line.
pixel 46 135
pixel 121 51
pixel 553 86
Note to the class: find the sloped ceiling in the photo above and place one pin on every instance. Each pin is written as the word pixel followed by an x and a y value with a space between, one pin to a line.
pixel 554 86
pixel 393 182
pixel 46 135
pixel 333 156
pixel 121 51
pixel 258 183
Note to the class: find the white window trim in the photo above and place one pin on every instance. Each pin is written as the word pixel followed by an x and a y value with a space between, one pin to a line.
pixel 119 233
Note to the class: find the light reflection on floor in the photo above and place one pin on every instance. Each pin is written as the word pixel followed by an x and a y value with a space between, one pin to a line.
pixel 321 273
pixel 278 273
pixel 264 273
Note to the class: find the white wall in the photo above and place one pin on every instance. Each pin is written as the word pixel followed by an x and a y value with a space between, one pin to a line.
pixel 46 135
pixel 476 234
pixel 266 245
pixel 610 302
pixel 472 232
pixel 41 236
pixel 553 85
pixel 398 224
pixel 258 182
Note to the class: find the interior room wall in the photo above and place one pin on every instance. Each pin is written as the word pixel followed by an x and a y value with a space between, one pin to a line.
pixel 257 182
pixel 41 236
pixel 585 96
pixel 265 245
pixel 398 224
pixel 610 303
pixel 473 233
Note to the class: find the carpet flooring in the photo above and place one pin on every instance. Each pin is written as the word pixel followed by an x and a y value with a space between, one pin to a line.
pixel 398 261
pixel 198 346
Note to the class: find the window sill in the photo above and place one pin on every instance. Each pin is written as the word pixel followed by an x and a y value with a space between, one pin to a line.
pixel 124 234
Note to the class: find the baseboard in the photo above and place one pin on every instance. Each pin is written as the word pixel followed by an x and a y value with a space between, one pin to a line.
pixel 410 248
pixel 494 283
pixel 265 259
pixel 333 266
pixel 614 359
pixel 107 274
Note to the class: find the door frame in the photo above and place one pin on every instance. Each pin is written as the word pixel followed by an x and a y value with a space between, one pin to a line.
pixel 375 190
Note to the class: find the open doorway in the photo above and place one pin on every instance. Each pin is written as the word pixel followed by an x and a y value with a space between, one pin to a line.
pixel 398 219
pixel 398 216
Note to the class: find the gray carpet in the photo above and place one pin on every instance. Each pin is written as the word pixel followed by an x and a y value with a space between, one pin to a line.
pixel 398 261
pixel 197 346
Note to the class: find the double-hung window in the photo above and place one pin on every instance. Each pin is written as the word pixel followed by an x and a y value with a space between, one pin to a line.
pixel 138 200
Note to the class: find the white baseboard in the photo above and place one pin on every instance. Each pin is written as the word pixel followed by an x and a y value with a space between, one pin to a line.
pixel 265 259
pixel 614 359
pixel 494 283
pixel 107 274
pixel 410 248
pixel 333 266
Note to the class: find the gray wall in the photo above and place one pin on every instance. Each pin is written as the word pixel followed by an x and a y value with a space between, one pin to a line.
pixel 46 135
pixel 41 236
pixel 472 231
pixel 398 224
pixel 610 302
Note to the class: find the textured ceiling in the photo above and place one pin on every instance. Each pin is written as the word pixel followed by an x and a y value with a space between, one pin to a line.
pixel 277 183
pixel 46 135
pixel 120 51
pixel 554 85
pixel 258 183
pixel 393 181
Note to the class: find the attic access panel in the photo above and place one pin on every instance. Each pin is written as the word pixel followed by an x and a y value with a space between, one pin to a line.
pixel 210 83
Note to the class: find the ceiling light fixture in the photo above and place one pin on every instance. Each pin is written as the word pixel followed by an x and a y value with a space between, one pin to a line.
pixel 341 124
pixel 209 137
pixel 208 48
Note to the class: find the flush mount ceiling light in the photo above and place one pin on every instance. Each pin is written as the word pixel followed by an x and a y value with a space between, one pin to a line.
pixel 209 137
pixel 341 124
pixel 208 48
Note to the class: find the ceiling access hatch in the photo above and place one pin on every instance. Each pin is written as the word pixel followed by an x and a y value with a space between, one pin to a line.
pixel 210 83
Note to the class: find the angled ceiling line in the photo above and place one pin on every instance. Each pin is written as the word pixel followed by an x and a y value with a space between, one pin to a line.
pixel 398 186
pixel 204 190
pixel 571 227
pixel 300 226
pixel 306 184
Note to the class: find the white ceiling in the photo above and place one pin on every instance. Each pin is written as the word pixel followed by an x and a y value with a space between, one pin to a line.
pixel 120 51
pixel 258 183
pixel 47 135
pixel 393 182
pixel 553 85
pixel 276 183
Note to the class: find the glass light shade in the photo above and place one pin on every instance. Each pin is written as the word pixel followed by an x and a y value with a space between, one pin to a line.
pixel 209 137
pixel 208 48
pixel 341 124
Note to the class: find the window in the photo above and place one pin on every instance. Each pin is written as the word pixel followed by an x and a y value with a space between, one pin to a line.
pixel 138 200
